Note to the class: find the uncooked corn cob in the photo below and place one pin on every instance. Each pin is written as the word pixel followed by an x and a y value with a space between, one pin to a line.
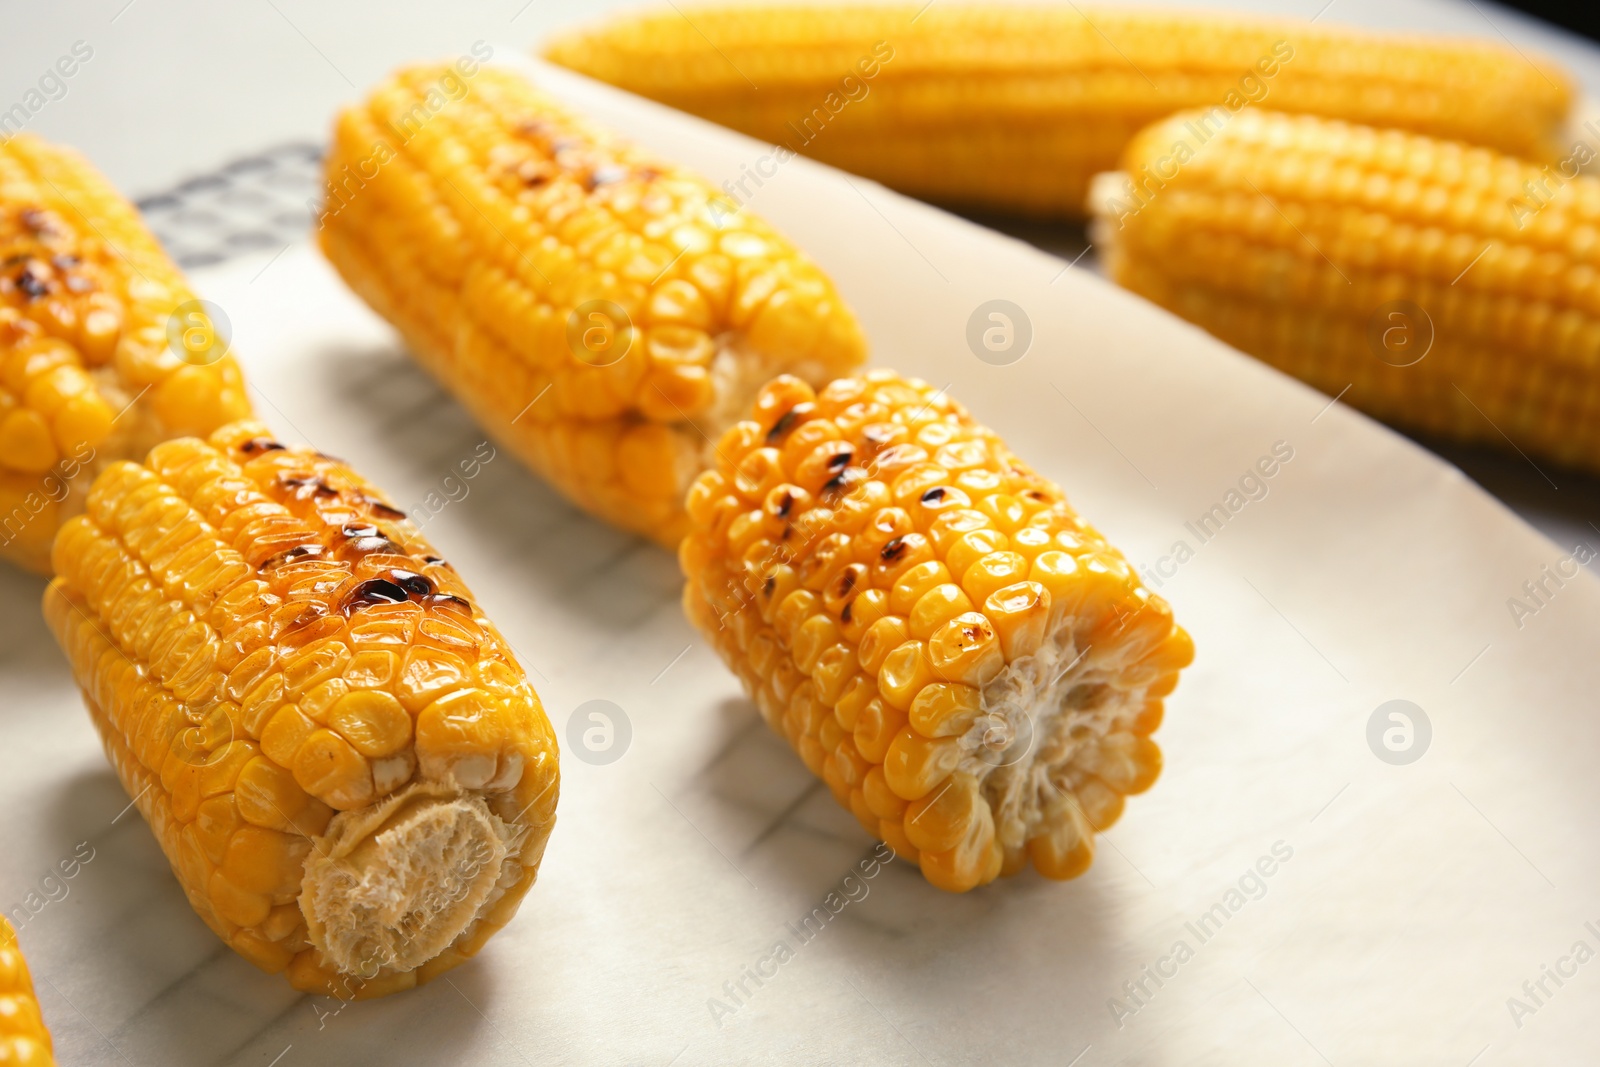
pixel 1015 108
pixel 343 762
pixel 522 252
pixel 24 1041
pixel 1452 290
pixel 102 352
pixel 973 671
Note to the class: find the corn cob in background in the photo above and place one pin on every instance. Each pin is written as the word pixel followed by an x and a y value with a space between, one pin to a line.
pixel 349 773
pixel 1451 288
pixel 89 368
pixel 1015 107
pixel 969 666
pixel 24 1041
pixel 522 252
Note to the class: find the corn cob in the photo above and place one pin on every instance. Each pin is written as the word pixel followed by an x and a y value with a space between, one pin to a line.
pixel 1015 108
pixel 519 251
pixel 1435 280
pixel 88 372
pixel 346 768
pixel 24 1042
pixel 971 668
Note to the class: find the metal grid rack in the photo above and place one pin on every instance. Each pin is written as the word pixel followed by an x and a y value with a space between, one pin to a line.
pixel 262 201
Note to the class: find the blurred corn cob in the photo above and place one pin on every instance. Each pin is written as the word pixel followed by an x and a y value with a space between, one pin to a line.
pixel 1015 108
pixel 1452 289
pixel 102 353
pixel 346 768
pixel 970 667
pixel 24 1041
pixel 521 251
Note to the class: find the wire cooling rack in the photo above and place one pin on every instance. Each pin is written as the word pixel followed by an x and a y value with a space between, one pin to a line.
pixel 259 202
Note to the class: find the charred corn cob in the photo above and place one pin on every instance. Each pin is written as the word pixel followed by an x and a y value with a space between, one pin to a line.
pixel 1015 108
pixel 24 1042
pixel 1451 289
pixel 971 668
pixel 521 252
pixel 349 773
pixel 103 351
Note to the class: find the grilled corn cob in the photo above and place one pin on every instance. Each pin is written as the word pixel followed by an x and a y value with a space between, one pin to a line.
pixel 971 668
pixel 349 773
pixel 24 1042
pixel 1015 108
pixel 520 251
pixel 1451 289
pixel 103 352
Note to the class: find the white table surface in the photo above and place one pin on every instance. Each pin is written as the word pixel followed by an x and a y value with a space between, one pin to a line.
pixel 1418 900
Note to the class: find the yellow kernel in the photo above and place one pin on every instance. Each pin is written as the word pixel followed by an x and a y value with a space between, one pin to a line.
pixel 977 859
pixel 1065 847
pixel 943 818
pixel 994 571
pixel 1126 762
pixel 330 769
pixel 374 722
pixel 966 649
pixel 914 583
pixel 459 738
pixel 876 724
pixel 857 692
pixel 857 615
pixel 25 442
pixel 904 672
pixel 938 606
pixel 285 732
pixel 915 764
pixel 265 861
pixel 881 638
pixel 973 545
pixel 814 635
pixel 1020 614
pixel 945 709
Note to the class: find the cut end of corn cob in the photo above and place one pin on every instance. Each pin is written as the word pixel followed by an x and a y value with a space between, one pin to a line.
pixel 1015 107
pixel 971 668
pixel 88 371
pixel 24 1041
pixel 1445 288
pixel 347 769
pixel 603 313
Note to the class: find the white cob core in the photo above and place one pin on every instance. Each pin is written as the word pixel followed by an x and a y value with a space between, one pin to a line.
pixel 391 886
pixel 1041 716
